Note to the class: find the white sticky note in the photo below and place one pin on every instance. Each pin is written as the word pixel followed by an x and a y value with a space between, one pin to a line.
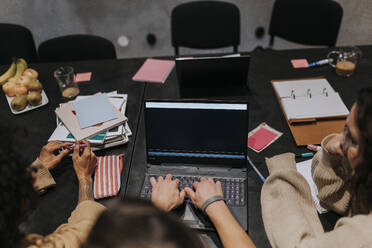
pixel 94 110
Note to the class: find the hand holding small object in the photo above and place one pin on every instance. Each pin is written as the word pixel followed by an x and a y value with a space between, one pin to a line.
pixel 85 161
pixel 47 157
pixel 72 146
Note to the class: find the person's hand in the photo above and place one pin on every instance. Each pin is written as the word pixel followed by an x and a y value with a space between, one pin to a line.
pixel 47 157
pixel 204 190
pixel 334 145
pixel 165 194
pixel 84 160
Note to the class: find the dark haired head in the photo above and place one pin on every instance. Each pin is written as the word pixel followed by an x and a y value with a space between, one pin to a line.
pixel 137 223
pixel 16 191
pixel 363 173
pixel 364 123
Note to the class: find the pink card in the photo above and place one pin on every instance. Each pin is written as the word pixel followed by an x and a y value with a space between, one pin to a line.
pixel 261 138
pixel 83 77
pixel 300 63
pixel 154 70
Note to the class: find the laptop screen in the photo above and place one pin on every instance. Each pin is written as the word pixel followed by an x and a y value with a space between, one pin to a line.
pixel 212 76
pixel 196 132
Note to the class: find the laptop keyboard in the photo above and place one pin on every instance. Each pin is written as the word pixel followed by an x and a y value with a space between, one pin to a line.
pixel 233 188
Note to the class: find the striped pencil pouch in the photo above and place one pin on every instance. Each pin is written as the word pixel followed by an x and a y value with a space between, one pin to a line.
pixel 107 176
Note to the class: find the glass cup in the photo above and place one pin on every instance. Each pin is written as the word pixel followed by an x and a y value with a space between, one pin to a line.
pixel 65 78
pixel 344 60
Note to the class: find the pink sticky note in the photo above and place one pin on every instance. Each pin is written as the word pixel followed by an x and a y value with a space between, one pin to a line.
pixel 261 138
pixel 300 63
pixel 83 77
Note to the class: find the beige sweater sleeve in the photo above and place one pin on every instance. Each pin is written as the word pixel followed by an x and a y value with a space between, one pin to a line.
pixel 42 177
pixel 331 174
pixel 74 232
pixel 288 211
pixel 290 217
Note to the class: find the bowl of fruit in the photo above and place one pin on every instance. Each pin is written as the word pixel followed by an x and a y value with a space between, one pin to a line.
pixel 23 90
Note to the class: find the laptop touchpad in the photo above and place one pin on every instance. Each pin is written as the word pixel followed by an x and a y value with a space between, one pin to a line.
pixel 195 218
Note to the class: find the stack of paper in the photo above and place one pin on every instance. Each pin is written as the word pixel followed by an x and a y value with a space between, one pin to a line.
pixel 98 118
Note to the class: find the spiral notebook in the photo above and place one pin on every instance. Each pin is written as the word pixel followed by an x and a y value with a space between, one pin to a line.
pixel 313 109
pixel 308 99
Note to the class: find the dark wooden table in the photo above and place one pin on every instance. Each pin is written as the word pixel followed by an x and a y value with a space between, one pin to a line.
pixel 271 65
pixel 263 107
pixel 56 205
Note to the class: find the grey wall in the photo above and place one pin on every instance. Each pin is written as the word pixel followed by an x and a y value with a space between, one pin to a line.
pixel 136 18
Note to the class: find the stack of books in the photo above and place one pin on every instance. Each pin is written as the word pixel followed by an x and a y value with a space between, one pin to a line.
pixel 98 118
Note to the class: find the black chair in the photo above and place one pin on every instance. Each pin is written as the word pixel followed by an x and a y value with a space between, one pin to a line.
pixel 308 22
pixel 76 47
pixel 16 41
pixel 205 25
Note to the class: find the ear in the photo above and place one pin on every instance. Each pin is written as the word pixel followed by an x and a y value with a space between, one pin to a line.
pixel 354 156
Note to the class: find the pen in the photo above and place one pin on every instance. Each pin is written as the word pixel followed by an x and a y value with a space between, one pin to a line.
pixel 305 155
pixel 320 62
pixel 256 170
pixel 73 146
pixel 314 148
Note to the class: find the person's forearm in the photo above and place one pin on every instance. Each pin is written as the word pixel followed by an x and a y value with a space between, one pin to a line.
pixel 85 189
pixel 229 230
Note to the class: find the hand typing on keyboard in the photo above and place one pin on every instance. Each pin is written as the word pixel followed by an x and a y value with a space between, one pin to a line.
pixel 204 190
pixel 165 193
pixel 233 188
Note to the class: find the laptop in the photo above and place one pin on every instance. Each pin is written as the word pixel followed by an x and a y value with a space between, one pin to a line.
pixel 191 139
pixel 213 76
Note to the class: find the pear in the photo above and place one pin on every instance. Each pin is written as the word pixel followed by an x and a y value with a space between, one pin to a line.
pixel 31 73
pixel 34 98
pixel 25 80
pixel 19 103
pixel 35 85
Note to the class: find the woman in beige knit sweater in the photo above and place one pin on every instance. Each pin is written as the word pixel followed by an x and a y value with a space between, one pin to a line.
pixel 342 171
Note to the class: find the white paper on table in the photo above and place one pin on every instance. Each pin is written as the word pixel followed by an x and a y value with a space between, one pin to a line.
pixel 304 168
pixel 128 132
